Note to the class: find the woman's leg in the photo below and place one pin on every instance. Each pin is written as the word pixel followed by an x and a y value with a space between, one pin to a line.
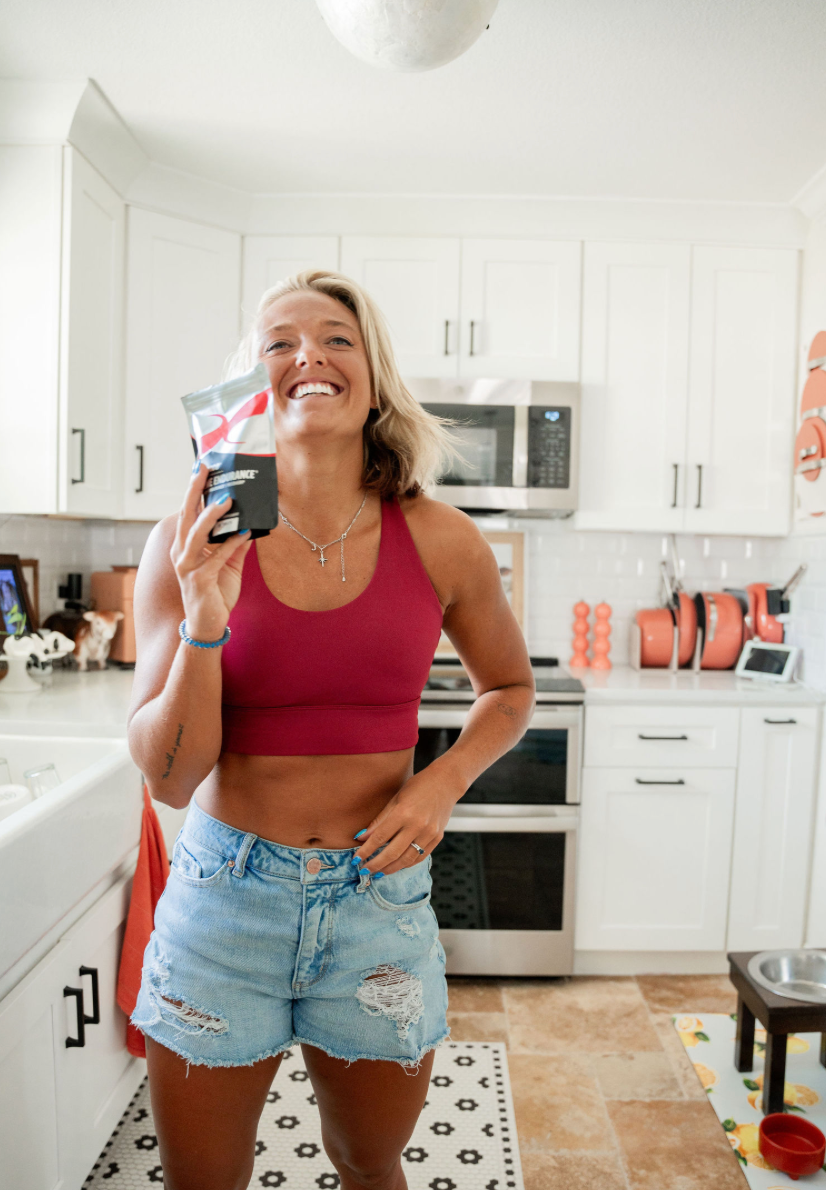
pixel 206 1119
pixel 368 1112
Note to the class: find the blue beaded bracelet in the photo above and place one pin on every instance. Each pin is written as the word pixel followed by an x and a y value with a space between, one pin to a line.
pixel 203 644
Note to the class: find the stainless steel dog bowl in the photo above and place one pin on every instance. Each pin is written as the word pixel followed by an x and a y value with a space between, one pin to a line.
pixel 798 974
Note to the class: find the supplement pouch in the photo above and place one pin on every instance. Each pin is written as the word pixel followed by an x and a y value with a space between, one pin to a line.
pixel 233 433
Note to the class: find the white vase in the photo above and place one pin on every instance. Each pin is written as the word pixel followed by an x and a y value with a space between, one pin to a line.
pixel 17 680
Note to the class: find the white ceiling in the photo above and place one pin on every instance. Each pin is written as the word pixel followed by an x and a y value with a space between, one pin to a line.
pixel 664 99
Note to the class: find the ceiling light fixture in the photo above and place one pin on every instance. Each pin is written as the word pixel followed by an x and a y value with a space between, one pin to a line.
pixel 407 35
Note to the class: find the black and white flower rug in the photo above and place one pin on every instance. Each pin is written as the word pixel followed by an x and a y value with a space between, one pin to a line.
pixel 465 1138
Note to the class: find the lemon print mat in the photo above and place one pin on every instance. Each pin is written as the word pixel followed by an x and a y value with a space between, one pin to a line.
pixel 735 1097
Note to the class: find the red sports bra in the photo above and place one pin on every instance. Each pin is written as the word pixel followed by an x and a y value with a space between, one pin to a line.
pixel 328 683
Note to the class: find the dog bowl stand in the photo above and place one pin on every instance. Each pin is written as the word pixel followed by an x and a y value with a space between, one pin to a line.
pixel 779 1016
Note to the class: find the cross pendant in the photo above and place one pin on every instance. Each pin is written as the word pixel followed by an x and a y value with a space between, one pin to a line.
pixel 322 559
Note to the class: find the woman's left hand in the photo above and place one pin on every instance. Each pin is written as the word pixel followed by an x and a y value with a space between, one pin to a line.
pixel 417 814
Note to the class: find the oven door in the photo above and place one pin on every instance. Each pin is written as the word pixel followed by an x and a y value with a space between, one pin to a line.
pixel 503 893
pixel 541 770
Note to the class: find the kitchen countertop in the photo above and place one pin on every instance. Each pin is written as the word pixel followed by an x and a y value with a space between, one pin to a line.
pixel 626 685
pixel 91 703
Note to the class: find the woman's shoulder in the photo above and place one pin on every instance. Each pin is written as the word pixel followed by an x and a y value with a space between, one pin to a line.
pixel 448 541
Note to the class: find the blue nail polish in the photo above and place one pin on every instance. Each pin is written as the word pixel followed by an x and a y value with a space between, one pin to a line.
pixel 378 875
pixel 356 859
pixel 361 832
pixel 364 872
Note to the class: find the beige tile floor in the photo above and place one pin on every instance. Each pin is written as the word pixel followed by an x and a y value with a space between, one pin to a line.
pixel 605 1096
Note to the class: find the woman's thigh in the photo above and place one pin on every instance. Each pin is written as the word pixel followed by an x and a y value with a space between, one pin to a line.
pixel 206 1118
pixel 368 1111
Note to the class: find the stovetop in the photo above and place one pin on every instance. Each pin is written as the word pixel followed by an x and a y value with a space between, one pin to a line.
pixel 448 682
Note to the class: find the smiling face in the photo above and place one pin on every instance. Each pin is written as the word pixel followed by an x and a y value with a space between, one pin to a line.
pixel 313 350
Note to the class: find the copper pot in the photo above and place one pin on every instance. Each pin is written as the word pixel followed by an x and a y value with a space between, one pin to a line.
pixel 720 617
pixel 656 636
pixel 766 627
pixel 687 622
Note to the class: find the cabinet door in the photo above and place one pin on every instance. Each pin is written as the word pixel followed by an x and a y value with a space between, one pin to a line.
pixel 521 309
pixel 91 348
pixel 269 259
pixel 742 390
pixel 96 1081
pixel 183 322
pixel 654 859
pixel 773 827
pixel 634 386
pixel 415 283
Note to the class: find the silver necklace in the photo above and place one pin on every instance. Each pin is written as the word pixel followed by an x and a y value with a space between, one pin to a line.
pixel 322 548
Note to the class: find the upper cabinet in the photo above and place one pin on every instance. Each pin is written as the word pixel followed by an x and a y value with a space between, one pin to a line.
pixel 688 388
pixel 269 259
pixel 415 283
pixel 741 390
pixel 182 323
pixel 634 386
pixel 520 309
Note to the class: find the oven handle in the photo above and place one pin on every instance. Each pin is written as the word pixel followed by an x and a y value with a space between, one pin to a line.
pixel 566 718
pixel 558 825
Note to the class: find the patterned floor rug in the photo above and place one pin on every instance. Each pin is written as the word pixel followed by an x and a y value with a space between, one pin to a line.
pixel 735 1097
pixel 465 1138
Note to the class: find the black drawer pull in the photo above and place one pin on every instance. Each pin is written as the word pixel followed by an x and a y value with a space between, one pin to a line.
pixel 779 721
pixel 94 1019
pixel 81 1027
pixel 640 736
pixel 640 781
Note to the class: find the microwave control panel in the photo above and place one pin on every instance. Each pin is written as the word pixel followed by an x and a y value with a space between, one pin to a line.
pixel 549 446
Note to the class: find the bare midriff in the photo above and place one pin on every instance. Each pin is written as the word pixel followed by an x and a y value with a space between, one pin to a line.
pixel 303 801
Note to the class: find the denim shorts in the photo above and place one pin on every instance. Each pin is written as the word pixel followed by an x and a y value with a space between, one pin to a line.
pixel 258 946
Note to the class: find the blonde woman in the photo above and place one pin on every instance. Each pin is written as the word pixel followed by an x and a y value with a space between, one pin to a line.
pixel 297 907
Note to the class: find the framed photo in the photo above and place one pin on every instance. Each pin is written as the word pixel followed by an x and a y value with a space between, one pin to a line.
pixel 16 612
pixel 509 552
pixel 31 577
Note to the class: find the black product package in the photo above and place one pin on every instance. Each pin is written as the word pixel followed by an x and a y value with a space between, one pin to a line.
pixel 233 433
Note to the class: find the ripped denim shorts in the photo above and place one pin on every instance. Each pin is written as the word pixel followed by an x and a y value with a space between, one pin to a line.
pixel 258 946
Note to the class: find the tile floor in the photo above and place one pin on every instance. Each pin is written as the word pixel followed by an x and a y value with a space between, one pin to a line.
pixel 605 1096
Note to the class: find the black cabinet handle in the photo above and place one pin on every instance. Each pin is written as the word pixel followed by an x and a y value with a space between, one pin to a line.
pixel 94 1019
pixel 640 736
pixel 139 449
pixel 81 1027
pixel 640 781
pixel 777 721
pixel 472 336
pixel 82 456
pixel 699 503
pixel 447 333
pixel 676 477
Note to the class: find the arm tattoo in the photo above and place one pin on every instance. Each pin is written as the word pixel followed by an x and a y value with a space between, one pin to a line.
pixel 504 709
pixel 170 756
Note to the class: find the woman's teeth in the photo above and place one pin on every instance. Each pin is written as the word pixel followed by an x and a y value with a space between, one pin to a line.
pixel 305 390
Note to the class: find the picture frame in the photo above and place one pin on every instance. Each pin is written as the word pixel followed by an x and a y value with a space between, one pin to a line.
pixel 31 577
pixel 16 610
pixel 509 551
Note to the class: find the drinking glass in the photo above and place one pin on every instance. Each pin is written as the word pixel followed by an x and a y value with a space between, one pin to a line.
pixel 5 772
pixel 41 779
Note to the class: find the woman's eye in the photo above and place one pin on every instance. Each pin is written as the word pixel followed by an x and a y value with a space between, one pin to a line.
pixel 341 339
pixel 278 343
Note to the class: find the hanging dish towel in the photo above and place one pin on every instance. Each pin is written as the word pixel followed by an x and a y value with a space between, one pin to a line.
pixel 150 880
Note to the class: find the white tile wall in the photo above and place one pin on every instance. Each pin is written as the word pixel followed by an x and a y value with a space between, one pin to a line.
pixel 563 566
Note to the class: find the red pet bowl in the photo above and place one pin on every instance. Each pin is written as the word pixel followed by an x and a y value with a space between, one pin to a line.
pixel 792 1145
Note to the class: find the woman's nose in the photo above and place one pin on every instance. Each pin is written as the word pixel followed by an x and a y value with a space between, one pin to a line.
pixel 310 353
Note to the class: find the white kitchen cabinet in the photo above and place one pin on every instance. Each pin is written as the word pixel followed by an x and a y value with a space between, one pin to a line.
pixel 634 386
pixel 91 363
pixel 269 259
pixel 654 859
pixel 59 1104
pixel 520 309
pixel 773 826
pixel 183 321
pixel 741 390
pixel 415 282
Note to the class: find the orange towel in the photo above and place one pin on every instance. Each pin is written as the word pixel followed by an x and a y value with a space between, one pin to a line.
pixel 150 880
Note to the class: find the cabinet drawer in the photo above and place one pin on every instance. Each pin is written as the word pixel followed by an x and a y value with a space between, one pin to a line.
pixel 630 736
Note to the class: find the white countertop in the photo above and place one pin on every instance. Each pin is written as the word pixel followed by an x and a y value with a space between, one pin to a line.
pixel 93 703
pixel 626 685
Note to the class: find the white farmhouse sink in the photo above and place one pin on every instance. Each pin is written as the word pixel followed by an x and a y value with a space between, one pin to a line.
pixel 56 849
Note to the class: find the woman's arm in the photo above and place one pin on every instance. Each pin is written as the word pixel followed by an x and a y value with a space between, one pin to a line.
pixel 175 716
pixel 482 628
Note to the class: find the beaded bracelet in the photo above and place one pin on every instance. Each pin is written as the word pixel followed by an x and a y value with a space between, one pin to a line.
pixel 202 644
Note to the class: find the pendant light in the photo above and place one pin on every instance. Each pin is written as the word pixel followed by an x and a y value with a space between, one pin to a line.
pixel 407 35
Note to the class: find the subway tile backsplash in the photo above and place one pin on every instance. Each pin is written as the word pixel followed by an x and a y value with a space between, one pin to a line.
pixel 563 566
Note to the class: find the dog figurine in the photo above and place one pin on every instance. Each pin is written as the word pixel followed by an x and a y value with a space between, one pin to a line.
pixel 93 638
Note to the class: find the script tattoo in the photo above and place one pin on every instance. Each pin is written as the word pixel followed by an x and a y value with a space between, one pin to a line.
pixel 170 756
pixel 506 710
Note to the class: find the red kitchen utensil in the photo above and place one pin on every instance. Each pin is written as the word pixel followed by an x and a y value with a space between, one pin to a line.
pixel 810 448
pixel 687 623
pixel 720 617
pixel 814 391
pixel 817 351
pixel 657 636
pixel 791 1144
pixel 765 627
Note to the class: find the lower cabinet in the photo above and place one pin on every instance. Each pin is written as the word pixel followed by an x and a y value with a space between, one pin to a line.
pixel 655 859
pixel 59 1104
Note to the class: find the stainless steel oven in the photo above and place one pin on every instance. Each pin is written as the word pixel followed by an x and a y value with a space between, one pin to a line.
pixel 504 873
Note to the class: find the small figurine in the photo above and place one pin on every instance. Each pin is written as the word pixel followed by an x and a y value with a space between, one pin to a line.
pixel 579 660
pixel 602 632
pixel 93 638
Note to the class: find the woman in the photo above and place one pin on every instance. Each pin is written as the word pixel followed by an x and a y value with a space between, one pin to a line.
pixel 297 906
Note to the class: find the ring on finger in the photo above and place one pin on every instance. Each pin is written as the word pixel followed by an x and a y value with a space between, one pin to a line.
pixel 416 847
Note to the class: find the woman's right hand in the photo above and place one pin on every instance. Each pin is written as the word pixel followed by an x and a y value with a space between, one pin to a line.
pixel 209 575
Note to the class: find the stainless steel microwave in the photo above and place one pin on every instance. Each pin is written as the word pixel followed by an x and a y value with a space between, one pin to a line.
pixel 517 443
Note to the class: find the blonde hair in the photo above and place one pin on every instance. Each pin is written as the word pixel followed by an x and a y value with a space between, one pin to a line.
pixel 405 447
